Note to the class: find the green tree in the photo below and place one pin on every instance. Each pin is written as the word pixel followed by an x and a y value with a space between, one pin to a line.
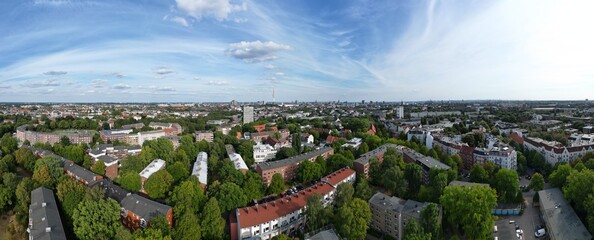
pixel 99 168
pixel 579 186
pixel 296 142
pixel 412 231
pixel 414 176
pixel 252 186
pixel 353 219
pixel 213 225
pixel 336 162
pixel 286 153
pixel 43 177
pixel 188 196
pixel 315 212
pixel 96 219
pixel 130 181
pixel 8 144
pixel 479 174
pixel 132 164
pixel 23 195
pixel 475 221
pixel 394 181
pixel 246 150
pixel 123 233
pixel 6 196
pixel 178 171
pixel 188 227
pixel 430 221
pixel 54 167
pixel 230 196
pixel 558 178
pixel 308 171
pixel 507 185
pixel 362 189
pixel 438 183
pixel 161 223
pixel 25 158
pixel 158 184
pixel 70 193
pixel 344 194
pixel 537 182
pixel 277 184
pixel 375 171
pixel 281 237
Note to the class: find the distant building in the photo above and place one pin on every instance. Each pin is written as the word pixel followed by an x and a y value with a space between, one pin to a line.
pixel 200 169
pixel 248 114
pixel 287 214
pixel 115 135
pixel 426 162
pixel 554 152
pixel 76 137
pixel 80 174
pixel 561 220
pixel 288 167
pixel 400 112
pixel 168 128
pixel 44 217
pixel 149 170
pixel 361 164
pixel 263 152
pixel 354 143
pixel 225 129
pixel 390 214
pixel 207 136
pixel 149 135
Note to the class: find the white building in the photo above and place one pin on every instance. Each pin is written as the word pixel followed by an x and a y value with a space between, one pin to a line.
pixel 152 168
pixel 248 114
pixel 400 112
pixel 263 152
pixel 200 169
pixel 503 157
pixel 354 143
pixel 554 152
pixel 238 162
pixel 149 135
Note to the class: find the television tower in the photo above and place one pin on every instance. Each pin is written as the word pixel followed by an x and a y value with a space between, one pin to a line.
pixel 273 99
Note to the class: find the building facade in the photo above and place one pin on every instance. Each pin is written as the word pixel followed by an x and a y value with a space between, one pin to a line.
pixel 207 136
pixel 288 167
pixel 263 152
pixel 248 114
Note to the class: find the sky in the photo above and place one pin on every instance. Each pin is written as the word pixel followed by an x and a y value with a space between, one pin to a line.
pixel 305 50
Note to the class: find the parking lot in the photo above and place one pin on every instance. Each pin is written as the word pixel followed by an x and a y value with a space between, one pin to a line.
pixel 527 221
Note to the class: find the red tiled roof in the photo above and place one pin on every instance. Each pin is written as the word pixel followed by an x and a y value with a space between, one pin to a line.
pixel 516 138
pixel 255 215
pixel 331 139
pixel 338 176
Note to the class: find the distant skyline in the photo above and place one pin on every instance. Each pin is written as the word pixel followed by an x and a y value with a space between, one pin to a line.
pixel 351 50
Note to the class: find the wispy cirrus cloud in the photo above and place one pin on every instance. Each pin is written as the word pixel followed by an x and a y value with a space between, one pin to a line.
pixel 45 83
pixel 121 86
pixel 55 73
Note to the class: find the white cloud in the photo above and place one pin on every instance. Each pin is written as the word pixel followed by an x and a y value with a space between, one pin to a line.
pixel 269 66
pixel 114 74
pixel 55 73
pixel 256 51
pixel 121 86
pixel 217 83
pixel 280 74
pixel 98 83
pixel 163 71
pixel 181 21
pixel 45 83
pixel 219 9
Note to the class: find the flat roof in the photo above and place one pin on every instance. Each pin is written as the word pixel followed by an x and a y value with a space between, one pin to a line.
pixel 466 184
pixel 427 161
pixel 238 161
pixel 561 220
pixel 364 158
pixel 293 160
pixel 153 167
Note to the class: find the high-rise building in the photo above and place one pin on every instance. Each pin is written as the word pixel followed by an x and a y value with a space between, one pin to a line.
pixel 248 114
pixel 400 112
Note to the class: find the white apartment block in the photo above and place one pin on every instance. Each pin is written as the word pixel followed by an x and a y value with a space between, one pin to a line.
pixel 200 169
pixel 554 152
pixel 263 152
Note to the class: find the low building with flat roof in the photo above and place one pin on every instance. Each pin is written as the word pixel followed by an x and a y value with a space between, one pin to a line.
pixel 560 218
pixel 200 169
pixel 44 217
pixel 288 166
pixel 149 170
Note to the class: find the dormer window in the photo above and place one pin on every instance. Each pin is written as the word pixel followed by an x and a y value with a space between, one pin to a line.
pixel 143 223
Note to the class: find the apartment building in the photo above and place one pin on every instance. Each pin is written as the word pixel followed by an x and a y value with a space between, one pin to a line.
pixel 238 162
pixel 136 211
pixel 140 137
pixel 200 169
pixel 361 164
pixel 426 162
pixel 207 136
pixel 263 152
pixel 80 174
pixel 285 215
pixel 44 217
pixel 561 220
pixel 288 167
pixel 149 170
pixel 390 214
pixel 248 114
pixel 554 152
pixel 78 137
pixel 168 128
pixel 115 135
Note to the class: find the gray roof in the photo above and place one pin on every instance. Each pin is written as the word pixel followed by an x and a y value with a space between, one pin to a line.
pixel 112 190
pixel 295 159
pixel 561 220
pixel 230 149
pixel 364 159
pixel 107 159
pixel 467 184
pixel 329 234
pixel 44 216
pixel 81 172
pixel 427 161
pixel 143 207
pixel 406 207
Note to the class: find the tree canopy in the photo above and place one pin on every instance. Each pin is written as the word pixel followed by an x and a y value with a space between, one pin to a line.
pixel 158 184
pixel 469 208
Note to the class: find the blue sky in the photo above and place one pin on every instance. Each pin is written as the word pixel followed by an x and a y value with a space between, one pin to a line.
pixel 348 50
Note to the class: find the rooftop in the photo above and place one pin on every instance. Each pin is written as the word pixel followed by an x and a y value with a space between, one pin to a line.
pixel 467 184
pixel 153 167
pixel 44 216
pixel 427 161
pixel 560 217
pixel 143 207
pixel 395 204
pixel 200 169
pixel 293 160
pixel 238 161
